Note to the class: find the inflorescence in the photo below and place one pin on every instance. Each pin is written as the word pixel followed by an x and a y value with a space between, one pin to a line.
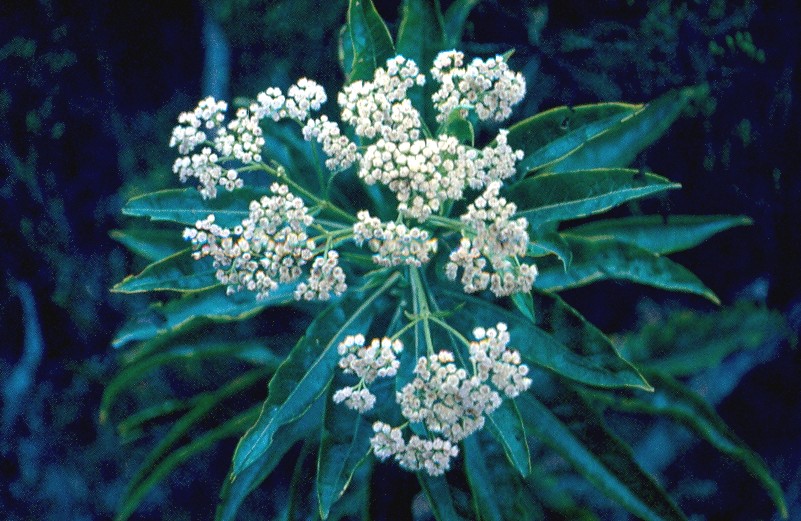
pixel 387 141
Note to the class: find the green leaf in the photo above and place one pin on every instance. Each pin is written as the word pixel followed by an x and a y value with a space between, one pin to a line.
pixel 151 243
pixel 687 341
pixel 608 259
pixel 507 426
pixel 420 38
pixel 235 491
pixel 130 374
pixel 212 304
pixel 305 374
pixel 678 402
pixel 483 489
pixel 560 131
pixel 557 197
pixel 498 490
pixel 186 206
pixel 438 493
pixel 372 43
pixel 578 434
pixel 227 429
pixel 455 19
pixel 551 243
pixel 620 144
pixel 660 234
pixel 459 127
pixel 179 272
pixel 345 443
pixel 588 365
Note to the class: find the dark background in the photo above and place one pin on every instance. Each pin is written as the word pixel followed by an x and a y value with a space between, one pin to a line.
pixel 90 90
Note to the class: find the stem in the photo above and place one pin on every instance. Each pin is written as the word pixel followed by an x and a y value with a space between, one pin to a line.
pixel 461 338
pixel 421 305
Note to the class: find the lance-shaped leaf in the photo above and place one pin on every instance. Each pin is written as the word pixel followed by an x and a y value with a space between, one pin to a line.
pixel 687 342
pixel 372 43
pixel 305 374
pixel 151 243
pixel 344 444
pixel 186 206
pixel 498 490
pixel 608 259
pixel 578 434
pixel 660 234
pixel 620 144
pixel 212 304
pixel 235 491
pixel 551 243
pixel 179 272
pixel 455 19
pixel 558 132
pixel 558 197
pixel 227 429
pixel 676 401
pixel 438 492
pixel 507 427
pixel 420 38
pixel 589 365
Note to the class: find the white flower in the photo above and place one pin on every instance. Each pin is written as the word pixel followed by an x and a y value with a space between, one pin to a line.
pixel 489 257
pixel 325 277
pixel 394 244
pixel 379 108
pixel 267 249
pixel 494 361
pixel 341 151
pixel 377 360
pixel 432 456
pixel 488 87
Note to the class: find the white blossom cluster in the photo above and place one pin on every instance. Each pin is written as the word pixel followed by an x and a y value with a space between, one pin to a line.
pixel 450 402
pixel 489 257
pixel 394 244
pixel 377 360
pixel 488 87
pixel 380 108
pixel 342 152
pixel 268 248
pixel 241 140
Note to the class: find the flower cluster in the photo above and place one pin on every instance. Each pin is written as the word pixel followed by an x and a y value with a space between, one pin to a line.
pixel 268 248
pixel 450 402
pixel 394 244
pixel 378 360
pixel 488 87
pixel 380 108
pixel 495 243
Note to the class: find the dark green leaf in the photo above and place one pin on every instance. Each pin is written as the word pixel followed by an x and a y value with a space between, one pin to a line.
pixel 555 133
pixel 619 145
pixel 345 443
pixel 660 234
pixel 152 244
pixel 305 374
pixel 228 429
pixel 507 427
pixel 481 485
pixel 589 365
pixel 676 401
pixel 439 496
pixel 578 434
pixel 558 197
pixel 459 127
pixel 186 206
pixel 608 259
pixel 687 341
pixel 178 272
pixel 236 490
pixel 551 243
pixel 420 38
pixel 372 43
pixel 454 21
pixel 211 304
